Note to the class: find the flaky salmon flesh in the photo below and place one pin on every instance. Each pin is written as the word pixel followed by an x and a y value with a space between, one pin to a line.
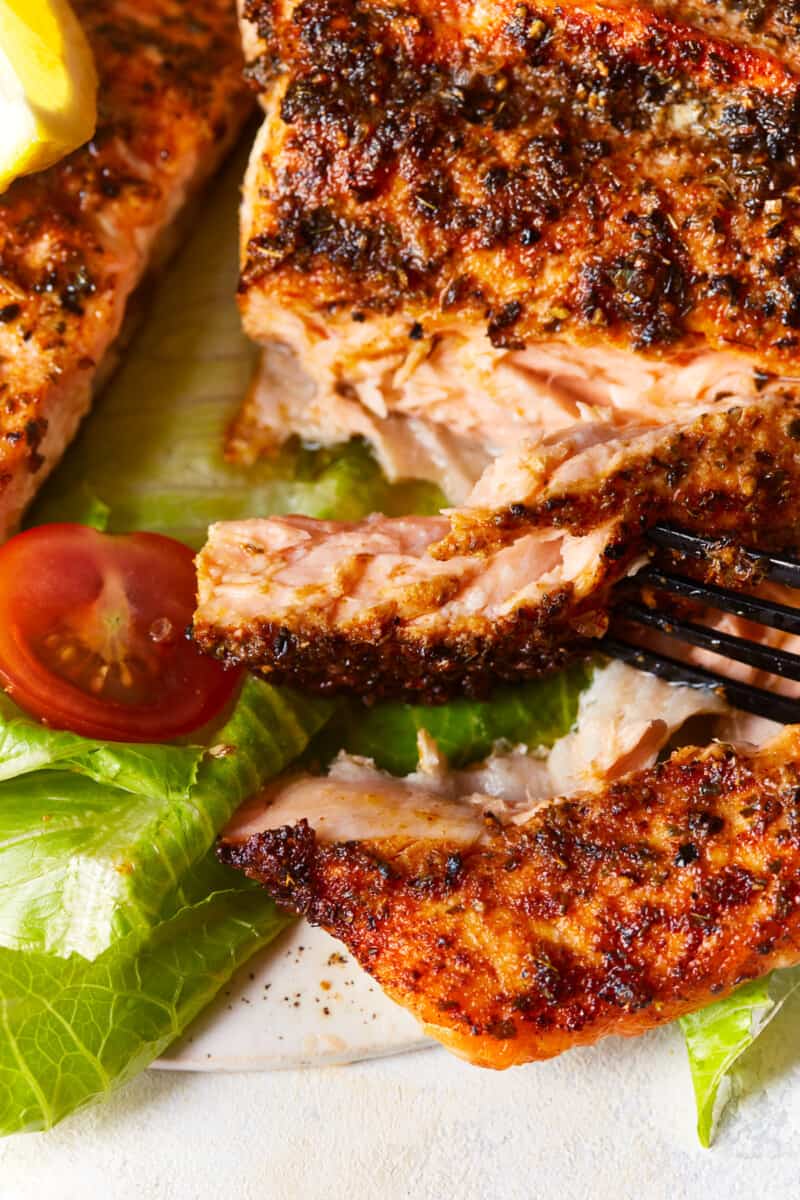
pixel 473 224
pixel 515 926
pixel 75 240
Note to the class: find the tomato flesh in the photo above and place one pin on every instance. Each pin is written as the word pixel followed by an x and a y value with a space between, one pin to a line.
pixel 92 634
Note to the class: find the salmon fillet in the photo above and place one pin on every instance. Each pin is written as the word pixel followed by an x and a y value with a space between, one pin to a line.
pixel 75 240
pixel 543 254
pixel 492 219
pixel 509 585
pixel 513 937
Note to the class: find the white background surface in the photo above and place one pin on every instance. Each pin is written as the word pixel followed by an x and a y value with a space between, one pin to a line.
pixel 615 1122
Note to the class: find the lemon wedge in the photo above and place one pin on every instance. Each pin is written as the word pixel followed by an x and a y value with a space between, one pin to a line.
pixel 48 86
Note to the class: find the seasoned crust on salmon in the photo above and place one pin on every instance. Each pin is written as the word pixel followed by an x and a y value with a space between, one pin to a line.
pixel 546 157
pixel 604 913
pixel 509 585
pixel 75 240
pixel 481 215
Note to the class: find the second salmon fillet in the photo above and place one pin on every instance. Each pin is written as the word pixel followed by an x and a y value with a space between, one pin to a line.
pixel 76 240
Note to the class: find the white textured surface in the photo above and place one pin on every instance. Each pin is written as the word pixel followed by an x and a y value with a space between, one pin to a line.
pixel 611 1122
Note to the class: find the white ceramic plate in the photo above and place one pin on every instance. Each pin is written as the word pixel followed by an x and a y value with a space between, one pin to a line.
pixel 301 1002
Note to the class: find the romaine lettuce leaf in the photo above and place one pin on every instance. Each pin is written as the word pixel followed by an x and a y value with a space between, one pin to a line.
pixel 150 456
pixel 87 860
pixel 116 926
pixel 716 1037
pixel 73 1030
pixel 26 745
pixel 534 714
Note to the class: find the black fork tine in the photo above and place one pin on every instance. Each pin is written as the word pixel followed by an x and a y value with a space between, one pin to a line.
pixel 754 654
pixel 763 612
pixel 782 663
pixel 739 695
pixel 779 568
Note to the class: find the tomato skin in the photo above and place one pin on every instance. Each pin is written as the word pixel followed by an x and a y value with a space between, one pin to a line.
pixel 93 634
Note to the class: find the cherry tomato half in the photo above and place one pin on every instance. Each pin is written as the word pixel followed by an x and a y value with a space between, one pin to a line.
pixel 92 634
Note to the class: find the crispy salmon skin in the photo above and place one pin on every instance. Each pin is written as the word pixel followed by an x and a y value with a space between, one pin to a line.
pixel 75 240
pixel 604 913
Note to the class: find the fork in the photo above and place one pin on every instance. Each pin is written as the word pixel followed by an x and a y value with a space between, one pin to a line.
pixel 783 663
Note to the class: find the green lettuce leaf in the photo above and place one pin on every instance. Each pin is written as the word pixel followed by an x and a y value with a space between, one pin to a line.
pixel 716 1038
pixel 26 746
pixel 150 456
pixel 89 851
pixel 535 714
pixel 72 1030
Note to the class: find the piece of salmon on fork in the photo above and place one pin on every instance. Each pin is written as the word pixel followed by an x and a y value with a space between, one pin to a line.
pixel 507 586
pixel 75 240
pixel 568 235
